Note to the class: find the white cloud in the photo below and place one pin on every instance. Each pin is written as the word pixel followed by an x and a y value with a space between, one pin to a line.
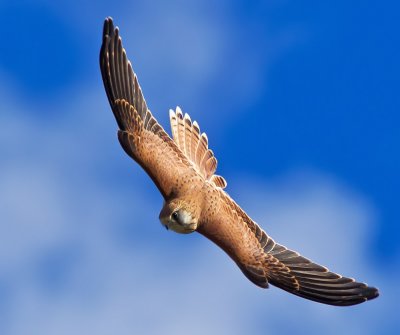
pixel 326 221
pixel 56 201
pixel 323 212
pixel 158 282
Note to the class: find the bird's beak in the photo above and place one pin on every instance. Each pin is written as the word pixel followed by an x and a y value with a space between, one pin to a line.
pixel 165 224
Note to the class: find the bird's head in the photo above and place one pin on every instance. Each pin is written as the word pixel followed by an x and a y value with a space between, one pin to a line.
pixel 178 216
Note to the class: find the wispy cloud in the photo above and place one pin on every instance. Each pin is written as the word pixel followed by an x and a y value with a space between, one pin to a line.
pixel 81 250
pixel 67 270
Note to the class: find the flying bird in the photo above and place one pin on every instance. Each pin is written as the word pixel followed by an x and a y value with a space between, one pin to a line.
pixel 183 169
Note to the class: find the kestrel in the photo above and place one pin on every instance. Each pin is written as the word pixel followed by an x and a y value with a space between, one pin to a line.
pixel 183 169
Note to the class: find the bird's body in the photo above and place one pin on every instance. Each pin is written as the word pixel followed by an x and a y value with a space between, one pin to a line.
pixel 183 168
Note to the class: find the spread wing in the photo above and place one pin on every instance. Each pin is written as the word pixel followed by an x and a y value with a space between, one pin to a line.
pixel 141 136
pixel 264 261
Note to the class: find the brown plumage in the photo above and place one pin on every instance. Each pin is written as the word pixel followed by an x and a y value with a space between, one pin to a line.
pixel 183 168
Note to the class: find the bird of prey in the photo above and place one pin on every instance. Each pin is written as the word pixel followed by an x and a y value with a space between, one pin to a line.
pixel 183 169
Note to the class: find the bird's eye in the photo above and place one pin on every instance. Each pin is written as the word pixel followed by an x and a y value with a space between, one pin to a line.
pixel 175 216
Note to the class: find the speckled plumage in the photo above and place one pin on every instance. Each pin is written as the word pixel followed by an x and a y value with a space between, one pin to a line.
pixel 183 168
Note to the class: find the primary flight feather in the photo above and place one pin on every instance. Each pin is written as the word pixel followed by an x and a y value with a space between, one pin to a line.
pixel 183 169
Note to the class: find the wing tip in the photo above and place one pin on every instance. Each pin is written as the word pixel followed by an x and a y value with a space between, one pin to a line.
pixel 108 27
pixel 366 293
pixel 370 292
pixel 110 31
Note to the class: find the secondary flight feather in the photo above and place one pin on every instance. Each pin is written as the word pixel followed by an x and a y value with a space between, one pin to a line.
pixel 183 169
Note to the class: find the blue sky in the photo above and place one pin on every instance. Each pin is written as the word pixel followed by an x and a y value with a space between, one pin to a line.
pixel 300 103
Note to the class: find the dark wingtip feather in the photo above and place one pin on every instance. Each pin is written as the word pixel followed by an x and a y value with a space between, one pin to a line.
pixel 312 281
pixel 370 293
pixel 120 82
pixel 108 27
